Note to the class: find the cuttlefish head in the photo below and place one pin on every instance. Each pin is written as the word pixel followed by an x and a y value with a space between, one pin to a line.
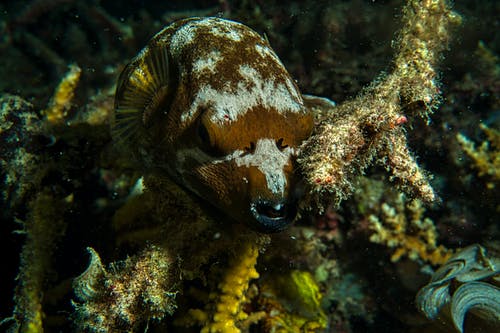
pixel 222 115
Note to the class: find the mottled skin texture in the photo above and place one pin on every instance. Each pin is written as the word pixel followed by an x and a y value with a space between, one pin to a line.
pixel 209 103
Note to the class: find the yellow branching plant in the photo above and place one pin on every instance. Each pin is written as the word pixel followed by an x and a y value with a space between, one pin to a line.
pixel 225 311
pixel 404 228
pixel 486 157
pixel 229 303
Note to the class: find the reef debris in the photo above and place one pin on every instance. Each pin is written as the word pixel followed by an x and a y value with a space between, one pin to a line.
pixel 369 128
pixel 45 35
pixel 128 294
pixel 468 282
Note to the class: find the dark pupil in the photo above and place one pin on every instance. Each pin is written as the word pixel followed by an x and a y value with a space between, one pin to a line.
pixel 203 134
pixel 207 143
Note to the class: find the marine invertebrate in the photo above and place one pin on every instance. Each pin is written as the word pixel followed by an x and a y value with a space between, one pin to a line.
pixel 486 157
pixel 405 229
pixel 225 311
pixel 468 281
pixel 208 103
pixel 229 303
pixel 369 128
pixel 127 294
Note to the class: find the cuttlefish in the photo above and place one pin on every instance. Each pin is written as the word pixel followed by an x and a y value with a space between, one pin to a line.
pixel 208 103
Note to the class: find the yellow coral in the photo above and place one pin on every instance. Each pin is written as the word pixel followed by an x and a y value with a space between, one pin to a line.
pixel 233 288
pixel 44 227
pixel 486 157
pixel 63 96
pixel 404 229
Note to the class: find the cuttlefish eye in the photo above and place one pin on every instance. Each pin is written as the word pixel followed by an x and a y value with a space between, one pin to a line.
pixel 273 216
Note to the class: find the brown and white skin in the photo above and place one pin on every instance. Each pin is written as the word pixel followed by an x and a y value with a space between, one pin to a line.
pixel 209 103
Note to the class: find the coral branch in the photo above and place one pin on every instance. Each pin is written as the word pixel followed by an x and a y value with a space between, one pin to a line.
pixel 44 228
pixel 404 229
pixel 486 157
pixel 368 128
pixel 228 310
pixel 63 96
pixel 403 167
pixel 225 312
